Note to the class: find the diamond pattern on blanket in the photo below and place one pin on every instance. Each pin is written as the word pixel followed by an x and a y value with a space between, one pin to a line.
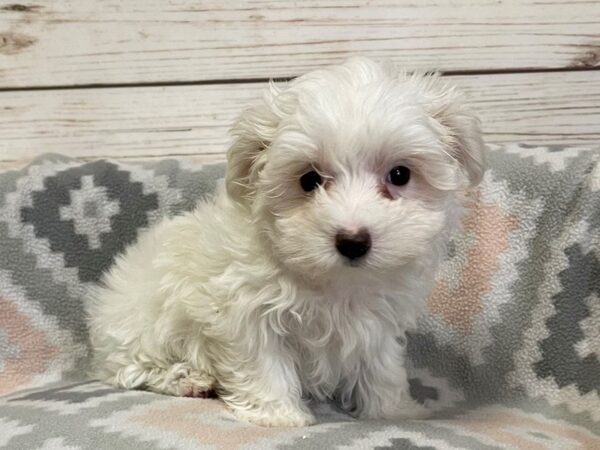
pixel 191 423
pixel 70 399
pixel 550 363
pixel 34 349
pixel 45 215
pixel 490 229
pixel 71 394
pixel 59 219
pixel 90 210
pixel 559 358
pixel 30 354
pixel 475 283
pixel 9 429
pixel 504 427
pixel 556 158
pixel 507 357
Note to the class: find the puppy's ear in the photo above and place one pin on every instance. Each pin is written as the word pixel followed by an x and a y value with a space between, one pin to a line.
pixel 252 133
pixel 459 127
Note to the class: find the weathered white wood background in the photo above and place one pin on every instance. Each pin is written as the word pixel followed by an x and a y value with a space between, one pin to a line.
pixel 137 78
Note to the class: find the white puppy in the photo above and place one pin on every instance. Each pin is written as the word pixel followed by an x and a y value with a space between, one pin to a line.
pixel 297 279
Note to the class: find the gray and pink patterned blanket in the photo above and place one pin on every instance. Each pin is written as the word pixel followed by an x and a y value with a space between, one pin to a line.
pixel 508 355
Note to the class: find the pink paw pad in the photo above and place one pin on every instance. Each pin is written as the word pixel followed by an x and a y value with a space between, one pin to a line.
pixel 197 392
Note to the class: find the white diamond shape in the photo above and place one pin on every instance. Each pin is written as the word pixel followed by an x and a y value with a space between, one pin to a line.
pixel 92 227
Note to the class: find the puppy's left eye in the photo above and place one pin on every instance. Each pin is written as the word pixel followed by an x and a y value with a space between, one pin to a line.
pixel 399 176
pixel 310 181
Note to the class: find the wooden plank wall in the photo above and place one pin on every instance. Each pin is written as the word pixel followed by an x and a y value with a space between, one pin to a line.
pixel 137 78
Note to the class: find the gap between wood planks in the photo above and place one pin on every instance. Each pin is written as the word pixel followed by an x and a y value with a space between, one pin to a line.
pixel 537 107
pixel 448 73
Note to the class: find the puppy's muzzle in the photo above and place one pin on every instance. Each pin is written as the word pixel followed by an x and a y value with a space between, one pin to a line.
pixel 353 245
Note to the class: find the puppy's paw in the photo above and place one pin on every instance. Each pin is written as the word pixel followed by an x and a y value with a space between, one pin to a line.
pixel 196 384
pixel 283 417
pixel 191 389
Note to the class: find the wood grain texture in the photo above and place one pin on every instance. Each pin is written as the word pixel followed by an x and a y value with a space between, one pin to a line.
pixel 80 42
pixel 545 108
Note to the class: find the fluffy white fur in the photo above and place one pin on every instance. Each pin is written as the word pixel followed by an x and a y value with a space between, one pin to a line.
pixel 247 295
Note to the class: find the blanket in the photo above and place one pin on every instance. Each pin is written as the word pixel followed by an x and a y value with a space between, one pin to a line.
pixel 508 355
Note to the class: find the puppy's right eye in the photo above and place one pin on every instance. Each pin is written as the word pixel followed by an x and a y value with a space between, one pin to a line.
pixel 310 181
pixel 399 176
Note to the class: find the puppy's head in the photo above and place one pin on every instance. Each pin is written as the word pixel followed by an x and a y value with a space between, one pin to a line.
pixel 353 170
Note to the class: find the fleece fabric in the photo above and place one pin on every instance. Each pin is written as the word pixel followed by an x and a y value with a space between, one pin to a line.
pixel 508 354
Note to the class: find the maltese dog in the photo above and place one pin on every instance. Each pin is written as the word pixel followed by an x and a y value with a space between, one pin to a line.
pixel 299 278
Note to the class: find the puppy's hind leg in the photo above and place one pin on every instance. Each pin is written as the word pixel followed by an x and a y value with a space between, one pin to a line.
pixel 179 379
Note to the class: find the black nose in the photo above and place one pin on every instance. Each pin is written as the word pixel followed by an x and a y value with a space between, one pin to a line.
pixel 353 245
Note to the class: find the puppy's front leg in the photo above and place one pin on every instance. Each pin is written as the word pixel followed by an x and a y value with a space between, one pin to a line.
pixel 382 391
pixel 265 388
